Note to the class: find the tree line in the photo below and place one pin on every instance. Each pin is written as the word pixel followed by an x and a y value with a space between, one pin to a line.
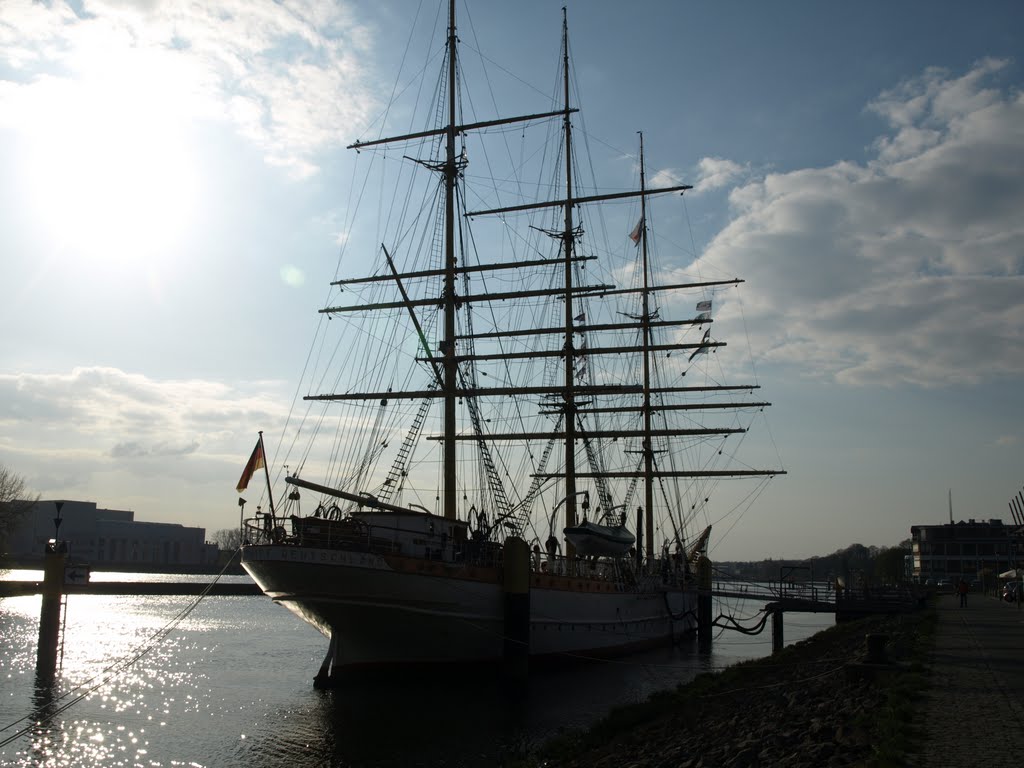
pixel 879 565
pixel 15 503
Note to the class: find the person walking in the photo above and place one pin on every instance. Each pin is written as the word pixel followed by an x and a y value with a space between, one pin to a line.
pixel 961 587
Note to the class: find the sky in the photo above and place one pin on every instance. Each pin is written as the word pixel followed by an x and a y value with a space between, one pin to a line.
pixel 174 188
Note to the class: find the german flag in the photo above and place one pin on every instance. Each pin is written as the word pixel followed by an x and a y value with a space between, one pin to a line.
pixel 256 461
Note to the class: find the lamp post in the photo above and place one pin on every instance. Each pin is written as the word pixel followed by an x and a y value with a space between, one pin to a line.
pixel 241 520
pixel 53 593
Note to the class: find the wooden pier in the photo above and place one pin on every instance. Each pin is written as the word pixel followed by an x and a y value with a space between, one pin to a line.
pixel 809 597
pixel 19 588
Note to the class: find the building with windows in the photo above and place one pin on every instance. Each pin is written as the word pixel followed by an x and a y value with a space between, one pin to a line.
pixel 964 549
pixel 111 538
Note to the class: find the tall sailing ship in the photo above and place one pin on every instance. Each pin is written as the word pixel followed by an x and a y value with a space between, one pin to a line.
pixel 513 465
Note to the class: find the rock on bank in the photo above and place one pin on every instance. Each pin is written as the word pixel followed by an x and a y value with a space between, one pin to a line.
pixel 814 704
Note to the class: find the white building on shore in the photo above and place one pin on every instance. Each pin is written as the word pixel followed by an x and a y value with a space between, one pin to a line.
pixel 111 538
pixel 951 551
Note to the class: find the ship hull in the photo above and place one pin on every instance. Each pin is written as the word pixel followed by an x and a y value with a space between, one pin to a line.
pixel 382 611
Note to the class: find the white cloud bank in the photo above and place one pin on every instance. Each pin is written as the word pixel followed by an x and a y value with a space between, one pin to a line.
pixel 264 67
pixel 70 433
pixel 906 269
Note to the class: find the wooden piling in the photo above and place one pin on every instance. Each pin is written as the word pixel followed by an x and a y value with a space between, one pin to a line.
pixel 517 608
pixel 704 607
pixel 49 613
pixel 778 640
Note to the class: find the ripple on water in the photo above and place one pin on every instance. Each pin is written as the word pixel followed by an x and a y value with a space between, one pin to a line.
pixel 231 685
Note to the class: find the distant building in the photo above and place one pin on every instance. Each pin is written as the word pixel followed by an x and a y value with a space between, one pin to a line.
pixel 952 550
pixel 111 538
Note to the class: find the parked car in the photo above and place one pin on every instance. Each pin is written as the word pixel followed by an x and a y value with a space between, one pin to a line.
pixel 1010 591
pixel 944 584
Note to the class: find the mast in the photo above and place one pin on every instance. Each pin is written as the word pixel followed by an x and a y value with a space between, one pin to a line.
pixel 645 323
pixel 445 359
pixel 266 474
pixel 567 244
pixel 449 364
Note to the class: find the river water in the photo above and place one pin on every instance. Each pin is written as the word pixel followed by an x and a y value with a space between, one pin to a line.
pixel 230 684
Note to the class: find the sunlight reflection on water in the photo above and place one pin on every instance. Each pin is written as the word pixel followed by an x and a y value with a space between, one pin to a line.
pixel 27 574
pixel 231 685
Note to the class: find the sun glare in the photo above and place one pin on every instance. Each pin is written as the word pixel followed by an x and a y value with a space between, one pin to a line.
pixel 111 175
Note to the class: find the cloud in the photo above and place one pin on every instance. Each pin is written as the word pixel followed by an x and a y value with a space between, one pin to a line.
pixel 170 449
pixel 904 269
pixel 95 418
pixel 136 450
pixel 715 173
pixel 284 76
pixel 666 177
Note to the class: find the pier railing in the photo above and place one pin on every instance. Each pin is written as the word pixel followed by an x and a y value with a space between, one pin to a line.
pixel 821 596
pixel 774 591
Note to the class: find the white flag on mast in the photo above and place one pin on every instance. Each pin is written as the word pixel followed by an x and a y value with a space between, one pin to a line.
pixel 637 230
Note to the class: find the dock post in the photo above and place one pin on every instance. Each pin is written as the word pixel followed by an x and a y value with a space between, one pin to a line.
pixel 777 636
pixel 49 613
pixel 517 609
pixel 704 619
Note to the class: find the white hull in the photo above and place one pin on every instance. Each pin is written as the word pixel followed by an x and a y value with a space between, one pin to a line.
pixel 382 610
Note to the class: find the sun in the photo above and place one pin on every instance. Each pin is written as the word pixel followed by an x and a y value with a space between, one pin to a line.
pixel 110 173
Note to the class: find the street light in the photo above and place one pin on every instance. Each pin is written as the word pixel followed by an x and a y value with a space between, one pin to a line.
pixel 241 520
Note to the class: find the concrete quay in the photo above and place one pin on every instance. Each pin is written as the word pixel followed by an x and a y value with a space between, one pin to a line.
pixel 973 713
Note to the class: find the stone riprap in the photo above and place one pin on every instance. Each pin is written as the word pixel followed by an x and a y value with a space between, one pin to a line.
pixel 817 703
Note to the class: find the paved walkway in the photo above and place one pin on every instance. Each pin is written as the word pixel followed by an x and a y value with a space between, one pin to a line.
pixel 974 713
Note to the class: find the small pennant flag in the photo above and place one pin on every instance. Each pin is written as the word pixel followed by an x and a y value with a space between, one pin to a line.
pixel 637 230
pixel 256 461
pixel 704 306
pixel 702 349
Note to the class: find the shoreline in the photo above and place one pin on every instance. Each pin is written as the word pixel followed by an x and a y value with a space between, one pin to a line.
pixel 816 703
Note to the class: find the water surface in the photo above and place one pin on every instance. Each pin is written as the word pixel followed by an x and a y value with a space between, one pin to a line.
pixel 231 684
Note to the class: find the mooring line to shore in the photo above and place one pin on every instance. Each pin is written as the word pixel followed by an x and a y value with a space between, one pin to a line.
pixel 111 671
